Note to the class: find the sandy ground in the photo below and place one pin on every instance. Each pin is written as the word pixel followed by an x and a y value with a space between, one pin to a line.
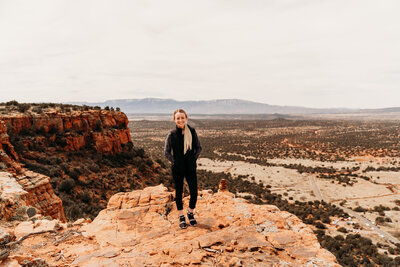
pixel 386 177
pixel 361 189
pixel 282 180
pixel 366 194
pixel 362 162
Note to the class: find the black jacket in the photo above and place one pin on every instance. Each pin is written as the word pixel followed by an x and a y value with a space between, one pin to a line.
pixel 173 150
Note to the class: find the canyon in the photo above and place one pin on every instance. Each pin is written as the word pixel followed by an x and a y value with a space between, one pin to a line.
pixel 29 136
pixel 62 164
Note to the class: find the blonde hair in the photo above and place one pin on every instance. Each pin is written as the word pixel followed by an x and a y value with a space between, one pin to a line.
pixel 180 111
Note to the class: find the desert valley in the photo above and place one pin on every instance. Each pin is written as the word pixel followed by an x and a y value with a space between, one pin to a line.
pixel 352 165
pixel 90 186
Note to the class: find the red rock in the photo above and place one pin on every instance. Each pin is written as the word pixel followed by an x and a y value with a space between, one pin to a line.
pixel 139 220
pixel 5 144
pixel 223 186
pixel 139 229
pixel 10 263
pixel 29 189
pixel 6 236
pixel 41 195
pixel 113 132
pixel 107 131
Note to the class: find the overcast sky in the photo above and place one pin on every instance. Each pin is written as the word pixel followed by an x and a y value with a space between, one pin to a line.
pixel 313 53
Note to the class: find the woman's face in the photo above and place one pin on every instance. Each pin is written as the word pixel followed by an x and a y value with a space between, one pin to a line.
pixel 180 120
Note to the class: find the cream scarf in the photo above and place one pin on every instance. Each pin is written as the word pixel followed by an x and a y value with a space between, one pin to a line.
pixel 187 139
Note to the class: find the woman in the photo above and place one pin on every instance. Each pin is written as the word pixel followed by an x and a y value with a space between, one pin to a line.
pixel 185 147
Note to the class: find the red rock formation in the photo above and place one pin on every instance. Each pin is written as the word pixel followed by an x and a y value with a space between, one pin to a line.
pixel 111 142
pixel 5 145
pixel 52 133
pixel 28 189
pixel 40 195
pixel 107 129
pixel 231 230
pixel 75 143
pixel 140 228
pixel 21 187
pixel 38 135
pixel 223 186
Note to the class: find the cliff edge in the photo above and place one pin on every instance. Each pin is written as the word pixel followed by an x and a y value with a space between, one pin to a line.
pixel 20 188
pixel 41 141
pixel 140 228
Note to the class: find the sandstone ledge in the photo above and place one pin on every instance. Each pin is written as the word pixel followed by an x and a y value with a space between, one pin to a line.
pixel 140 228
pixel 30 189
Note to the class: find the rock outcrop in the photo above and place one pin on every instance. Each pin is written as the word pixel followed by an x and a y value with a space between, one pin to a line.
pixel 35 136
pixel 30 189
pixel 231 231
pixel 8 156
pixel 105 131
pixel 140 228
pixel 20 188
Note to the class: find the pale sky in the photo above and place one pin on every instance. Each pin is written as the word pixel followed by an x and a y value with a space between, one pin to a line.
pixel 312 53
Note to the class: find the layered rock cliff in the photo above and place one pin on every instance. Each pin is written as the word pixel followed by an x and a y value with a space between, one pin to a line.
pixel 102 130
pixel 8 156
pixel 82 155
pixel 140 228
pixel 29 189
pixel 21 188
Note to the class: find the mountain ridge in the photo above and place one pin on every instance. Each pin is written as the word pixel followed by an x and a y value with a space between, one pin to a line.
pixel 216 106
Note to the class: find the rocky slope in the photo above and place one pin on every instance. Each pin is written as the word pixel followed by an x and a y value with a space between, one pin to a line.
pixel 20 188
pixel 82 155
pixel 140 228
pixel 8 156
pixel 29 189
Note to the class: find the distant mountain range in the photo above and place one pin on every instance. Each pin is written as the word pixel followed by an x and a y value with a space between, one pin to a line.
pixel 220 106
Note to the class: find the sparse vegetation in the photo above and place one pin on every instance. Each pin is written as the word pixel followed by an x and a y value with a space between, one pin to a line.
pixel 355 250
pixel 83 178
pixel 259 141
pixel 40 108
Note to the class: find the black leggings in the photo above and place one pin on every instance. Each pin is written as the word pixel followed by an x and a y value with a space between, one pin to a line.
pixel 191 179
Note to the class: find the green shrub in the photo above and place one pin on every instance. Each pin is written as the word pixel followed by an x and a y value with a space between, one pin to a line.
pixel 23 107
pixel 37 109
pixel 75 173
pixel 61 141
pixel 142 167
pixel 85 197
pixel 149 162
pixel 320 225
pixel 20 218
pixel 360 209
pixel 74 212
pixel 12 103
pixel 94 167
pixel 66 185
pixel 31 211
